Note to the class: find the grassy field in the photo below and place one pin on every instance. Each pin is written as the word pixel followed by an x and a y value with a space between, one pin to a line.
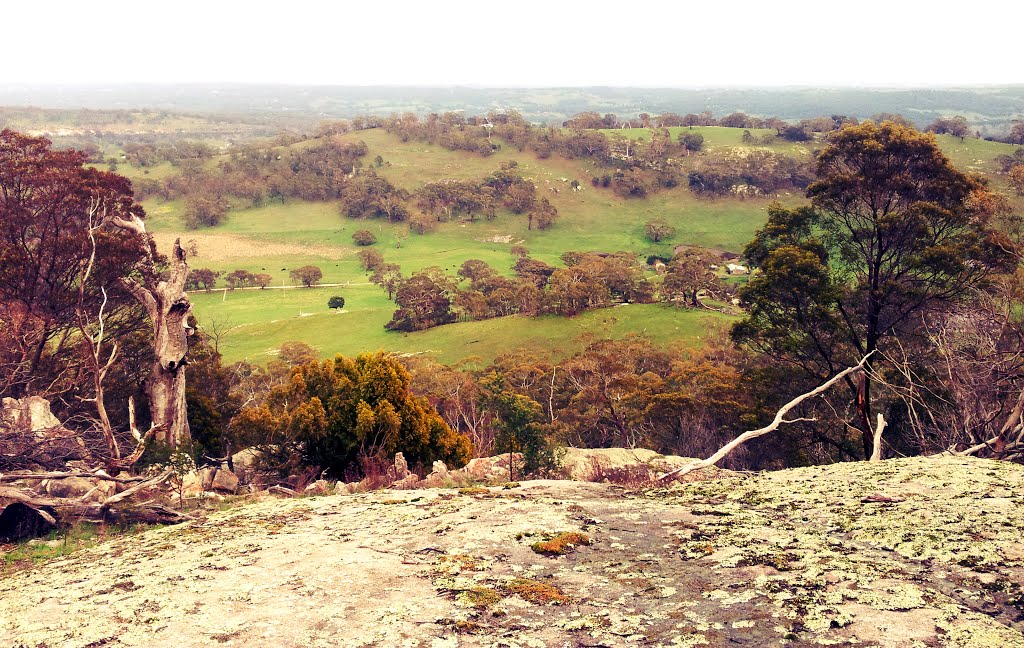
pixel 277 238
pixel 717 138
pixel 259 321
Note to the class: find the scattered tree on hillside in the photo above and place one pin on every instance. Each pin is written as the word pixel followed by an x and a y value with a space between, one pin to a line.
pixel 543 213
pixel 424 300
pixel 686 275
pixel 309 275
pixel 336 302
pixel 262 280
pixel 475 269
pixel 239 279
pixel 370 259
pixel 388 276
pixel 202 278
pixel 204 211
pixel 955 126
pixel 369 195
pixel 363 237
pixel 658 229
pixel 1016 135
pixel 1016 179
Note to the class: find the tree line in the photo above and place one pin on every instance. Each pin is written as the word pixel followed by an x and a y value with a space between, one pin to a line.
pixel 588 280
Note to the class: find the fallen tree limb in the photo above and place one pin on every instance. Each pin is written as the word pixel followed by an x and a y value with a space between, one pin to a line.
pixel 67 475
pixel 70 510
pixel 159 479
pixel 771 427
pixel 1001 442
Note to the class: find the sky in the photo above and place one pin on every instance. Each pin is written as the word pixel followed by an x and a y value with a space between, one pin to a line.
pixel 514 43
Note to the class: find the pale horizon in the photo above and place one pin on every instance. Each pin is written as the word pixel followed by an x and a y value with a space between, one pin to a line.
pixel 529 44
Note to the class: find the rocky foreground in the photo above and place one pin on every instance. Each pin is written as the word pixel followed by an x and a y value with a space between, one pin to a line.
pixel 915 552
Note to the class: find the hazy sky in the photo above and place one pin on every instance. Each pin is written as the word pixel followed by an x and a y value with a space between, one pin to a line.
pixel 514 42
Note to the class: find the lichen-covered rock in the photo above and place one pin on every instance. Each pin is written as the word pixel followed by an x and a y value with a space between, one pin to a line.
pixel 206 476
pixel 409 481
pixel 68 487
pixel 31 414
pixel 493 470
pixel 438 477
pixel 343 488
pixel 787 558
pixel 224 481
pixel 401 467
pixel 439 469
pixel 192 484
pixel 319 487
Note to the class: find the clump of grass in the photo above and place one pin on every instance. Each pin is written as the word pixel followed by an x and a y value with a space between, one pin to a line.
pixel 474 490
pixel 479 597
pixel 561 544
pixel 60 543
pixel 463 626
pixel 536 592
pixel 458 562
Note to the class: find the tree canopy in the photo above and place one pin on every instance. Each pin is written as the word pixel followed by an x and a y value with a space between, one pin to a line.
pixel 893 230
pixel 334 413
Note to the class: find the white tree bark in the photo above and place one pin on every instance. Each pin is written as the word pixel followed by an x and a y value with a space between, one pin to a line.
pixel 771 427
pixel 168 308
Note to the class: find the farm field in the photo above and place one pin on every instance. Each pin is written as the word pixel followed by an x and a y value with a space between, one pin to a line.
pixel 278 237
pixel 259 321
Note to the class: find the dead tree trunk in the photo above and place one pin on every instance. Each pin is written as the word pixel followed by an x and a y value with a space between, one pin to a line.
pixel 168 308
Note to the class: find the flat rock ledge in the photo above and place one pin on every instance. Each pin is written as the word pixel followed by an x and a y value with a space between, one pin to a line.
pixel 915 552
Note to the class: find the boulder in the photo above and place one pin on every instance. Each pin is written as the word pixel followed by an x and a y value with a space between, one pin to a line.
pixel 409 481
pixel 401 466
pixel 104 488
pixel 597 464
pixel 493 469
pixel 69 487
pixel 438 476
pixel 440 469
pixel 319 487
pixel 191 484
pixel 20 522
pixel 225 481
pixel 342 488
pixel 206 476
pixel 31 414
pixel 243 461
pixel 121 486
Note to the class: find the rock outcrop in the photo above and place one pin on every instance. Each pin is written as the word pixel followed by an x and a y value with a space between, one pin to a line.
pixel 902 553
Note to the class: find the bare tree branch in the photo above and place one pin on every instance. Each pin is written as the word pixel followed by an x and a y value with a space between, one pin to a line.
pixel 776 422
pixel 876 453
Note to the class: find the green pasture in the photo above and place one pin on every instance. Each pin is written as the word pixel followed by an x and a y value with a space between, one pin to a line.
pixel 276 238
pixel 720 137
pixel 259 321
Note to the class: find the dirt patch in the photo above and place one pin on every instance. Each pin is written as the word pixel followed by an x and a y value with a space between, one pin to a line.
pixel 220 248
